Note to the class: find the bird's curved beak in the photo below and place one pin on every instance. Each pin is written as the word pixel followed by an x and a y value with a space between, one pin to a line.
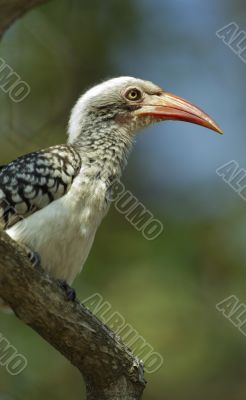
pixel 167 106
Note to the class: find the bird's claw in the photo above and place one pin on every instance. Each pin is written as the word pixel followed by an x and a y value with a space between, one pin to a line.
pixel 70 292
pixel 34 257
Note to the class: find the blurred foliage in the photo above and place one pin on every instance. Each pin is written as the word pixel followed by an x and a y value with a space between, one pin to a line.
pixel 166 289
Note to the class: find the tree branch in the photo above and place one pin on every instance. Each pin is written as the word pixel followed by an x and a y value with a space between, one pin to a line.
pixel 10 10
pixel 110 370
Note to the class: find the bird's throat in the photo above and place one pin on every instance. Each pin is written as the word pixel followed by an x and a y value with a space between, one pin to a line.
pixel 106 148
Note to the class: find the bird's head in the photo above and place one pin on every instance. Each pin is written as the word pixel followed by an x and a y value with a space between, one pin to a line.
pixel 127 104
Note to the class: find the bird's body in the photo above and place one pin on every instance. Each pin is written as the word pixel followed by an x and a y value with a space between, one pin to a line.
pixel 63 232
pixel 65 209
pixel 53 200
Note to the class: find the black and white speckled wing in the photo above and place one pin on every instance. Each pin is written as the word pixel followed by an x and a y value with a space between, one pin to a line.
pixel 34 180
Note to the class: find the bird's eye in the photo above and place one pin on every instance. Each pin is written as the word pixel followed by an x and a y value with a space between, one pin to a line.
pixel 133 94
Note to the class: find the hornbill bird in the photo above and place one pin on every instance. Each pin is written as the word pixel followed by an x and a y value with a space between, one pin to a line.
pixel 53 200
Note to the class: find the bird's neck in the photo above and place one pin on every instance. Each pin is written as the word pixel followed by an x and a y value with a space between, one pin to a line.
pixel 104 144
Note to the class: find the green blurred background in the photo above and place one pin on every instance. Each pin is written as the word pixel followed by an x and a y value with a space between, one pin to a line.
pixel 166 289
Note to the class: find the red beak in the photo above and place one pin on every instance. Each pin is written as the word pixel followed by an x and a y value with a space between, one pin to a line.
pixel 167 106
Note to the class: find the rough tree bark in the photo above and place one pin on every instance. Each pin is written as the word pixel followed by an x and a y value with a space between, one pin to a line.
pixel 109 369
